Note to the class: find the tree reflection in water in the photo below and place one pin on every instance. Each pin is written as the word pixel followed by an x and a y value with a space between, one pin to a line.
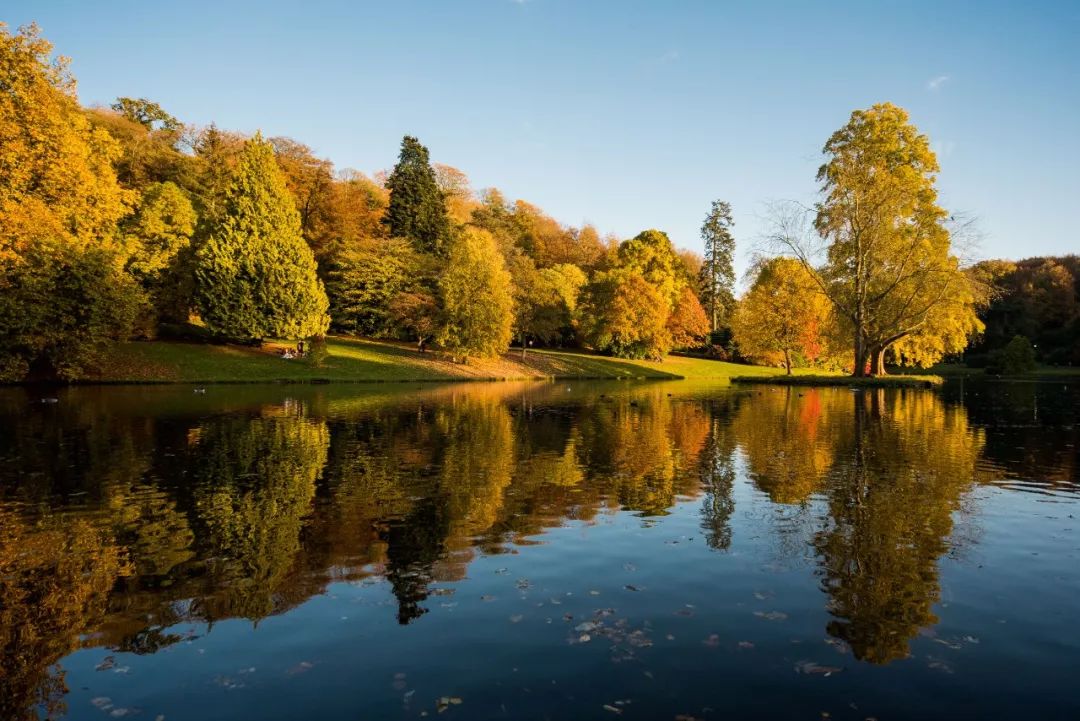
pixel 119 520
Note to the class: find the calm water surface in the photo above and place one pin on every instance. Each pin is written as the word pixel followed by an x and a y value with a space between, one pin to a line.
pixel 540 551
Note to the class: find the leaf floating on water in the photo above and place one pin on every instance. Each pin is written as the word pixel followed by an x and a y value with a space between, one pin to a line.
pixel 584 638
pixel 486 598
pixel 523 584
pixel 839 645
pixel 585 627
pixel 763 595
pixel 746 645
pixel 629 567
pixel 685 612
pixel 612 709
pixel 442 591
pixel 594 593
pixel 812 668
pixel 939 665
pixel 301 667
pixel 516 618
pixel 771 615
pixel 106 663
pixel 712 641
pixel 445 702
pixel 501 571
pixel 102 702
pixel 971 639
pixel 631 587
pixel 120 711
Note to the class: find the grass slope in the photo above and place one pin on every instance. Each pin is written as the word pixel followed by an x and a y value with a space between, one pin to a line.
pixel 355 360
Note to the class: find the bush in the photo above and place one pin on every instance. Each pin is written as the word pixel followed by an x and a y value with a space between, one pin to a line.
pixel 1017 358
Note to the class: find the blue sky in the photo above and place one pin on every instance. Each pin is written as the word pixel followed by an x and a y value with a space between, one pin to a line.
pixel 626 114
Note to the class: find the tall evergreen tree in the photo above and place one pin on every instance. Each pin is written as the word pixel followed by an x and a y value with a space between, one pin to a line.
pixel 254 275
pixel 417 207
pixel 718 271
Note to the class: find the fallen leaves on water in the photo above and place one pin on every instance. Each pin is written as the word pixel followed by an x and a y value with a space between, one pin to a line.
pixel 612 709
pixel 632 587
pixel 516 618
pixel 106 663
pixel 487 597
pixel 746 645
pixel 302 667
pixel 445 702
pixel 712 641
pixel 771 615
pixel 813 668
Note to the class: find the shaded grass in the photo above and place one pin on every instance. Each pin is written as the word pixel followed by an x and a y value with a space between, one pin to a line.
pixel 358 360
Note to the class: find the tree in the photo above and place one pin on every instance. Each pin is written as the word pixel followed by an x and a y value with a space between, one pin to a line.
pixel 888 267
pixel 365 278
pixel 626 316
pixel 477 300
pixel 1017 358
pixel 159 230
pixel 718 271
pixel 145 113
pixel 651 254
pixel 544 300
pixel 687 323
pixel 63 295
pixel 310 181
pixel 782 314
pixel 417 209
pixel 255 276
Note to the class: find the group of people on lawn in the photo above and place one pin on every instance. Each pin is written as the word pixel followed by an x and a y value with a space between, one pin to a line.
pixel 288 353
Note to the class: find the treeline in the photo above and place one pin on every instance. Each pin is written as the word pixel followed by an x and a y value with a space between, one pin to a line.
pixel 124 222
pixel 1037 299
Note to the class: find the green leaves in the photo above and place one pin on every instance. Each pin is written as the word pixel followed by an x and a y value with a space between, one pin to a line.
pixel 255 276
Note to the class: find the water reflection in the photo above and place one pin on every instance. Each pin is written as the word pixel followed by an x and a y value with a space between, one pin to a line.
pixel 124 513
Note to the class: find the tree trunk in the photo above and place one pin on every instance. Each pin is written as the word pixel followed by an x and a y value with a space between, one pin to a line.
pixel 522 346
pixel 860 356
pixel 879 362
pixel 787 360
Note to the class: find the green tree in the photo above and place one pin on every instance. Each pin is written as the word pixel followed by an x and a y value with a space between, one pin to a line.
pixel 161 227
pixel 255 276
pixel 145 113
pixel 364 279
pixel 417 209
pixel 477 300
pixel 1017 358
pixel 717 276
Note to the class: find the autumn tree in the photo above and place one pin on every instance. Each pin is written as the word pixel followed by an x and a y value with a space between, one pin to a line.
pixel 687 324
pixel 626 315
pixel 145 113
pixel 651 254
pixel 63 293
pixel 782 314
pixel 255 275
pixel 417 209
pixel 888 265
pixel 311 184
pixel 717 274
pixel 477 300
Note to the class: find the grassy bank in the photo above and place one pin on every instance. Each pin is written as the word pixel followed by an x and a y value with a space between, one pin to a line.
pixel 898 381
pixel 355 360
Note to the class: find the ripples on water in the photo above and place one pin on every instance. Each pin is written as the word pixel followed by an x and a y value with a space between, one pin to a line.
pixel 664 550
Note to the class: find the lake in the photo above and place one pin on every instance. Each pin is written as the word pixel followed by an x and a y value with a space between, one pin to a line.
pixel 666 550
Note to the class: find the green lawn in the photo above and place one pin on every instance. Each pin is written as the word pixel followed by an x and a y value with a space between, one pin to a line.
pixel 355 360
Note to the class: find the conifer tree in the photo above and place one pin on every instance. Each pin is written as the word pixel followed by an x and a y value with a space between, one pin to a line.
pixel 718 272
pixel 255 277
pixel 417 207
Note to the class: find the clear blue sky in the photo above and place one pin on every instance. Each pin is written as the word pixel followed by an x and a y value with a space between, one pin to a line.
pixel 626 114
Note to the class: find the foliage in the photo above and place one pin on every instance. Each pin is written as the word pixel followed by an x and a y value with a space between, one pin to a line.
pixel 889 269
pixel 782 315
pixel 651 254
pixel 1017 358
pixel 687 324
pixel 365 278
pixel 417 208
pixel 476 296
pixel 717 273
pixel 61 307
pixel 255 276
pixel 145 113
pixel 62 294
pixel 1038 298
pixel 626 316
pixel 161 228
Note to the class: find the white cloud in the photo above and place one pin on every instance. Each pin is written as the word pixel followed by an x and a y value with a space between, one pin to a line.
pixel 935 84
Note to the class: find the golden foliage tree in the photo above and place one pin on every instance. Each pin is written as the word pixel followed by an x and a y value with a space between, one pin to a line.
pixel 781 315
pixel 477 300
